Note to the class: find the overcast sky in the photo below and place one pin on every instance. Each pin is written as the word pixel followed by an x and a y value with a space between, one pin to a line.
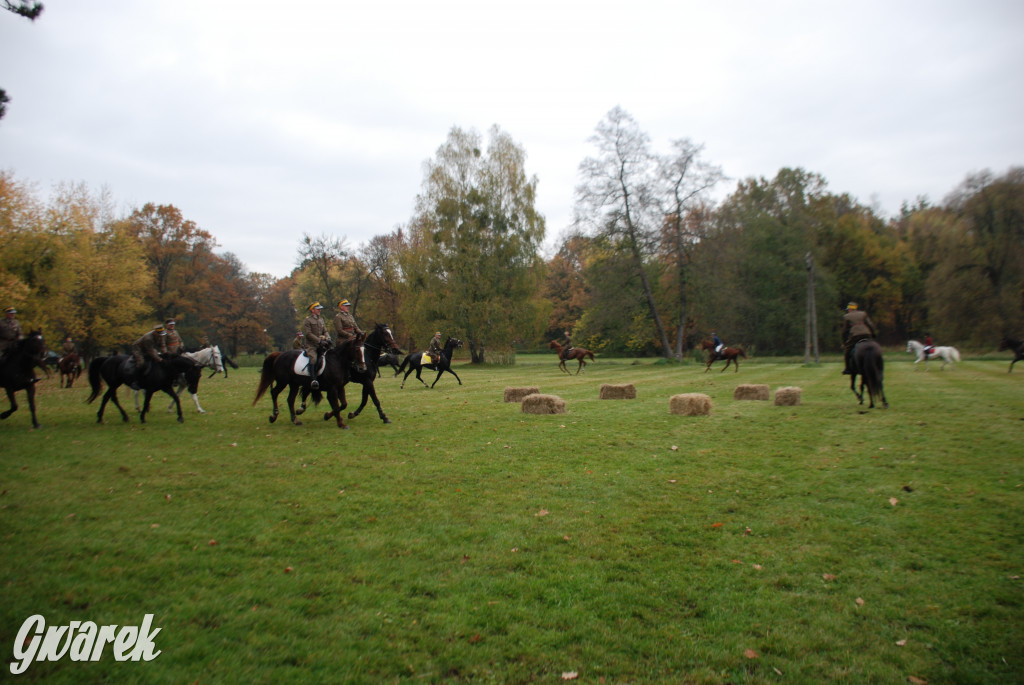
pixel 263 120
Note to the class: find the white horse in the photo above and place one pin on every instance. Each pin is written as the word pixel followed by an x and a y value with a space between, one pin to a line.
pixel 948 354
pixel 208 357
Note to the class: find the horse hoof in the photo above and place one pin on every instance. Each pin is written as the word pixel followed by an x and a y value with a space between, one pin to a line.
pixel 272 417
pixel 351 415
pixel 386 419
pixel 344 427
pixel 297 423
pixel 327 416
pixel 181 419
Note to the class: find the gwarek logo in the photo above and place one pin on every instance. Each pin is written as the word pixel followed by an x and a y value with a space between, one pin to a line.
pixel 81 641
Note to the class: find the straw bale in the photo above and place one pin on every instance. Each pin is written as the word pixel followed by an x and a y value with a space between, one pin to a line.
pixel 690 404
pixel 538 403
pixel 517 394
pixel 751 392
pixel 788 396
pixel 625 391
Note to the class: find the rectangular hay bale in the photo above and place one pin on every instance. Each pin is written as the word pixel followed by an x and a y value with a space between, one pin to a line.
pixel 788 396
pixel 539 403
pixel 625 391
pixel 517 394
pixel 690 404
pixel 751 392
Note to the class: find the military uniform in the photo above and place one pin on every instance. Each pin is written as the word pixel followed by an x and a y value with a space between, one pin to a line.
pixel 345 326
pixel 298 343
pixel 150 345
pixel 173 342
pixel 10 332
pixel 68 347
pixel 434 350
pixel 313 331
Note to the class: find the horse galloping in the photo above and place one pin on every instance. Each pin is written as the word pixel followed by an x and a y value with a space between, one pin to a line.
pixel 948 354
pixel 17 371
pixel 279 371
pixel 869 365
pixel 565 354
pixel 119 370
pixel 376 342
pixel 70 367
pixel 415 363
pixel 1015 346
pixel 206 358
pixel 729 354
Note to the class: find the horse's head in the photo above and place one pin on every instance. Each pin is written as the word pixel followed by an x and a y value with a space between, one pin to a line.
pixel 706 344
pixel 382 332
pixel 216 359
pixel 33 345
pixel 554 345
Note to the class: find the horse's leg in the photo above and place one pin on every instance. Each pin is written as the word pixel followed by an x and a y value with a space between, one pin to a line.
pixel 145 405
pixel 419 369
pixel 561 365
pixel 30 392
pixel 14 405
pixel 135 394
pixel 170 391
pixel 112 394
pixel 579 366
pixel 274 392
pixel 372 392
pixel 303 394
pixel 293 390
pixel 736 364
pixel 337 400
pixel 853 388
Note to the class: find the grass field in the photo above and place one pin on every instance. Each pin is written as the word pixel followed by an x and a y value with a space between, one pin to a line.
pixel 469 542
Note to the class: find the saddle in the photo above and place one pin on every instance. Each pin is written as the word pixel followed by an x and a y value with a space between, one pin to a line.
pixel 929 350
pixel 427 360
pixel 302 364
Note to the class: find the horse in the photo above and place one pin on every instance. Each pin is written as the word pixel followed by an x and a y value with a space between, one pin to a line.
pixel 1015 346
pixel 17 371
pixel 869 365
pixel 207 357
pixel 388 359
pixel 161 375
pixel 565 354
pixel 729 354
pixel 948 354
pixel 415 363
pixel 70 367
pixel 279 372
pixel 376 342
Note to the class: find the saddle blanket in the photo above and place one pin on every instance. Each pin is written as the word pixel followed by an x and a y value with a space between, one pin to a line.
pixel 426 360
pixel 302 362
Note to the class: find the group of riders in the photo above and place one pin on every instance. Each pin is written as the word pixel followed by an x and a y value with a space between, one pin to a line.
pixel 314 335
pixel 164 339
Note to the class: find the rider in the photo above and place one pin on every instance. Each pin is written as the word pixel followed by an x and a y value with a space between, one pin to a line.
pixel 175 345
pixel 568 346
pixel 345 324
pixel 929 346
pixel 314 332
pixel 67 347
pixel 857 326
pixel 298 343
pixel 10 329
pixel 147 349
pixel 434 348
pixel 718 343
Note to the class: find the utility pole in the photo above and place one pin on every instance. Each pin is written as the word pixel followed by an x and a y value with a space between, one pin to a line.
pixel 812 314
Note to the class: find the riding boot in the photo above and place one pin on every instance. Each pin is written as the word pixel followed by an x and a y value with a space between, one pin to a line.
pixel 847 371
pixel 314 385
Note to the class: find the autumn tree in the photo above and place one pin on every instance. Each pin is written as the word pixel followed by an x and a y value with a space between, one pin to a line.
pixel 474 242
pixel 618 198
pixel 319 277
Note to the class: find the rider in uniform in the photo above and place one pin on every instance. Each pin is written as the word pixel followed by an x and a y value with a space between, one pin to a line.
pixel 10 329
pixel 147 349
pixel 313 331
pixel 857 326
pixel 434 349
pixel 173 341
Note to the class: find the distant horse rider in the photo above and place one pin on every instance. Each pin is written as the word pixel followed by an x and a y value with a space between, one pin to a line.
pixel 857 326
pixel 435 348
pixel 10 329
pixel 314 331
pixel 568 346
pixel 67 347
pixel 929 346
pixel 298 343
pixel 148 349
pixel 719 345
pixel 175 345
pixel 345 324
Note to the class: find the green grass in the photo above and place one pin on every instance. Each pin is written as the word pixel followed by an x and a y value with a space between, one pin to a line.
pixel 468 541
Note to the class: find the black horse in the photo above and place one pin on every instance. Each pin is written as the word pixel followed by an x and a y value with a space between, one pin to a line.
pixel 415 363
pixel 17 371
pixel 379 342
pixel 1015 346
pixel 869 365
pixel 279 372
pixel 388 359
pixel 119 370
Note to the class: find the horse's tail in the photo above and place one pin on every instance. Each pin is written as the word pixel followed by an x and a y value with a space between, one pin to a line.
pixel 590 354
pixel 954 354
pixel 742 353
pixel 407 360
pixel 95 380
pixel 266 376
pixel 874 372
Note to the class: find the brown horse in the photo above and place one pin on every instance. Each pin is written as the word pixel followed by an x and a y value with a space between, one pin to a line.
pixel 729 354
pixel 577 353
pixel 70 367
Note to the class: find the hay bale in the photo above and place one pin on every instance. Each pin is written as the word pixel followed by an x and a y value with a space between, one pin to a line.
pixel 538 403
pixel 690 404
pixel 517 394
pixel 787 397
pixel 751 392
pixel 626 391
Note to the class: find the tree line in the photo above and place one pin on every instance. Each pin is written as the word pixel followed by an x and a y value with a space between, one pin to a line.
pixel 651 263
